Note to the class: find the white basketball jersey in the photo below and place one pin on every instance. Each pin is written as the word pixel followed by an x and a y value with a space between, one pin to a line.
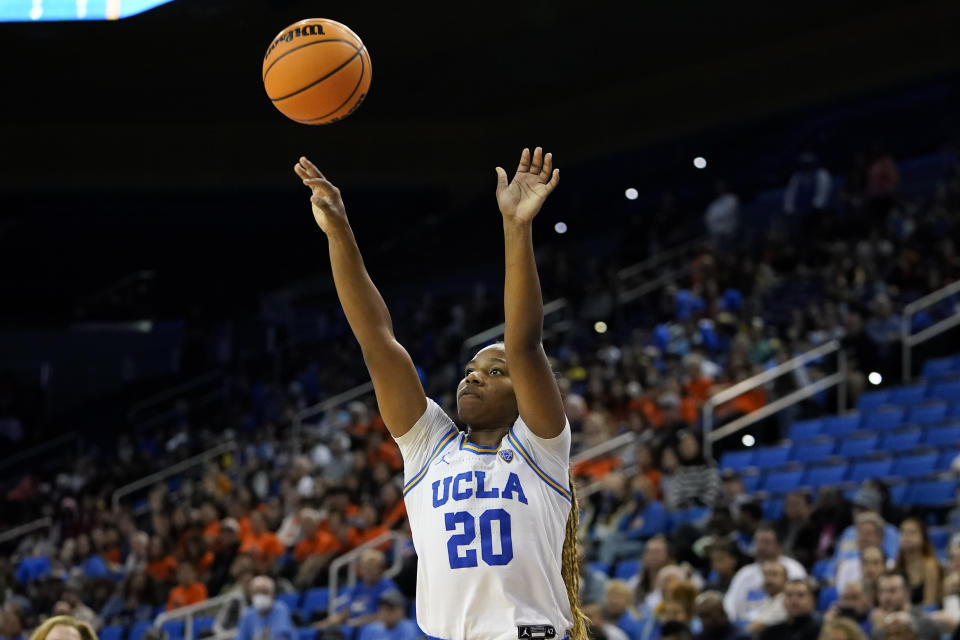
pixel 488 525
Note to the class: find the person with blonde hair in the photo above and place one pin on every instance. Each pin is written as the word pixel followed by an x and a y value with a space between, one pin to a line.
pixel 841 628
pixel 63 628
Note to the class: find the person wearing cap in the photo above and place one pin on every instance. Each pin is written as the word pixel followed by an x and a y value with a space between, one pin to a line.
pixel 266 616
pixel 392 622
pixel 867 499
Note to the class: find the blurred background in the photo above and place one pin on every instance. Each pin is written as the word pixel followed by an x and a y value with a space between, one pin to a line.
pixel 743 184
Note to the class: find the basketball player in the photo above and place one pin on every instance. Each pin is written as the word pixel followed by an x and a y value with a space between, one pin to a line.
pixel 492 510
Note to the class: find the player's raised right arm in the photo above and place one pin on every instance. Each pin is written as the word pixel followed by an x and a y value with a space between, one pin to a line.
pixel 395 381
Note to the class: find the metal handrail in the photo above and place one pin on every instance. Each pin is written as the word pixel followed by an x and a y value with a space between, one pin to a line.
pixel 190 610
pixel 153 478
pixel 710 435
pixel 24 529
pixel 173 392
pixel 497 331
pixel 908 341
pixel 39 449
pixel 347 559
pixel 604 447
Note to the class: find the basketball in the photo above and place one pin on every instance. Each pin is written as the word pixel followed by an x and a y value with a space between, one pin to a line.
pixel 316 71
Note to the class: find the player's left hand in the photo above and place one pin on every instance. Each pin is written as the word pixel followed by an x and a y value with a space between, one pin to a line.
pixel 521 199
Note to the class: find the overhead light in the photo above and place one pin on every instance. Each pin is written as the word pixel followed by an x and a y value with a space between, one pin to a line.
pixel 875 378
pixel 600 327
pixel 700 162
pixel 560 227
pixel 631 193
pixel 748 440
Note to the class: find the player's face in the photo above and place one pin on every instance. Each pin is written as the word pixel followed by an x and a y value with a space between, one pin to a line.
pixel 485 398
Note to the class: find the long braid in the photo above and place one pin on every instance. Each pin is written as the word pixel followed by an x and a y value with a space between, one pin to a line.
pixel 570 569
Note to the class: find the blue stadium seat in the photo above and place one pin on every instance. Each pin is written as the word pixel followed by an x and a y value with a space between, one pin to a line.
pixel 841 425
pixel 938 367
pixel 806 429
pixel 137 630
pixel 687 516
pixel 751 481
pixel 782 481
pixel 626 569
pixel 203 625
pixel 828 595
pixel 113 632
pixel 773 509
pixel 935 493
pixel 864 469
pixel 817 477
pixel 946 458
pixel 954 411
pixel 347 631
pixel 602 567
pixel 858 445
pixel 315 600
pixel 306 633
pixel 870 400
pixel 813 451
pixel 768 457
pixel 174 628
pixel 942 436
pixel 901 439
pixel 292 600
pixel 927 413
pixel 883 419
pixel 737 460
pixel 899 493
pixel 909 394
pixel 915 466
pixel 945 390
pixel 939 538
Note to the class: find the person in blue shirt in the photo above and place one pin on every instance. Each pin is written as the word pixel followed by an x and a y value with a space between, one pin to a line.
pixel 266 619
pixel 618 609
pixel 393 623
pixel 358 605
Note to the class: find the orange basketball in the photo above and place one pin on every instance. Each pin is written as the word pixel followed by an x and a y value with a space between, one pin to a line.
pixel 316 71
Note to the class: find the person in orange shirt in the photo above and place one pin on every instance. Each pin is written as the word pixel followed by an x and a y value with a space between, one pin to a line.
pixel 188 590
pixel 317 547
pixel 210 520
pixel 698 386
pixel 346 536
pixel 370 526
pixel 160 564
pixel 394 508
pixel 262 543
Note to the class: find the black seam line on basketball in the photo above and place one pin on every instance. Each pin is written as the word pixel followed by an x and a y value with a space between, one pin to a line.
pixel 319 80
pixel 344 103
pixel 297 48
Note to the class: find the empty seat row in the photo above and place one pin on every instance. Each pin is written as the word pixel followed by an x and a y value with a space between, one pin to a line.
pixel 946 389
pixel 876 419
pixel 919 491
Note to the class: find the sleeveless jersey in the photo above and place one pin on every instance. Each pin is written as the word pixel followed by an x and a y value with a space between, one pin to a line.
pixel 488 526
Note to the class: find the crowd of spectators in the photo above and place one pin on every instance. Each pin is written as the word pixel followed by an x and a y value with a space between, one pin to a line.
pixel 271 516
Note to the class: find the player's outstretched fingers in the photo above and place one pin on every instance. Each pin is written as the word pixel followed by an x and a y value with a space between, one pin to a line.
pixel 524 165
pixel 537 163
pixel 310 167
pixel 547 170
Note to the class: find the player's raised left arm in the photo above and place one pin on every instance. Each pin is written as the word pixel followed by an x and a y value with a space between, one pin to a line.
pixel 538 397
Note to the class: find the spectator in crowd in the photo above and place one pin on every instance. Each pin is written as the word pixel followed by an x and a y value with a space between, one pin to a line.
pixel 72 605
pixel 853 604
pixel 750 577
pixel 675 630
pixel 696 482
pixel 63 628
pixel 949 615
pixel 807 191
pixel 594 613
pixel 841 628
pixel 162 565
pixel 266 617
pixel 593 583
pixel 713 618
pixel 872 565
pixel 618 608
pixel 360 602
pixel 722 217
pixel 765 607
pixel 392 622
pixel 869 528
pixel 314 550
pixel 801 624
pixel 11 623
pixel 918 563
pixel 262 544
pixel 656 555
pixel 893 597
pixel 227 547
pixel 135 602
pixel 725 561
pixel 867 499
pixel 795 529
pixel 189 590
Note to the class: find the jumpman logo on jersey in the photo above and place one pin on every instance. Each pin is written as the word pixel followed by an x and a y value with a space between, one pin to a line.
pixel 443 458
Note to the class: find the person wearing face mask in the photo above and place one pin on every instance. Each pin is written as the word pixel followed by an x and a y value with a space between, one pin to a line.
pixel 266 619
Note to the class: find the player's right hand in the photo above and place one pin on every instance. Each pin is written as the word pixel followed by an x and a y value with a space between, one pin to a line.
pixel 328 209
